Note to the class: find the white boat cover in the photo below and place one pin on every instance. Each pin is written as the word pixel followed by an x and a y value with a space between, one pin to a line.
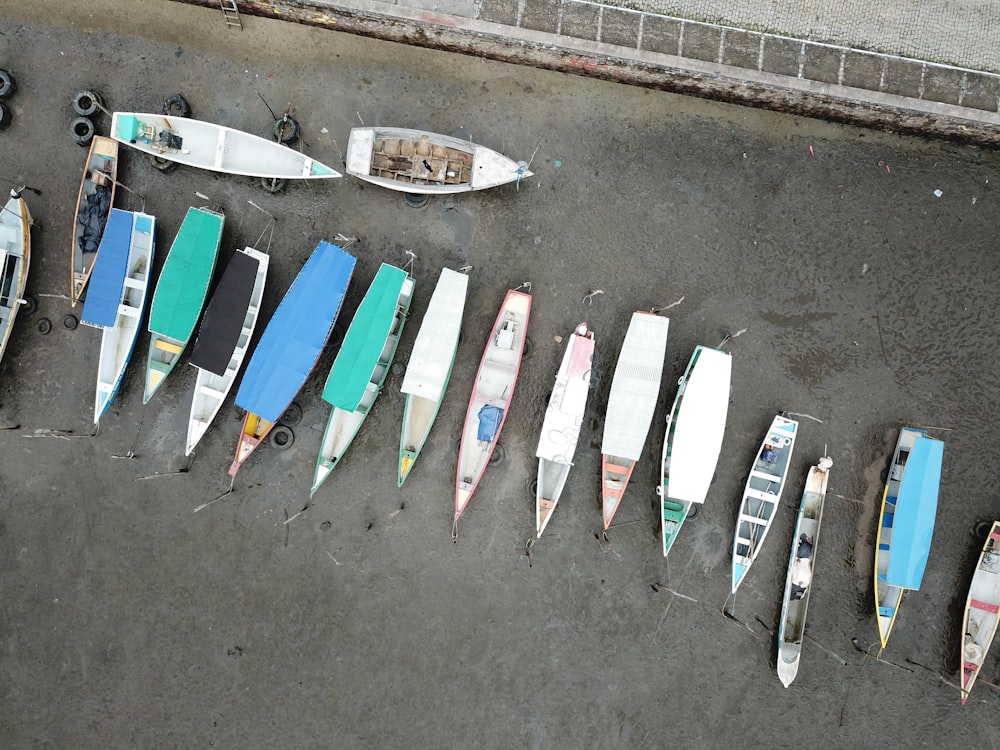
pixel 701 423
pixel 434 349
pixel 635 387
pixel 568 402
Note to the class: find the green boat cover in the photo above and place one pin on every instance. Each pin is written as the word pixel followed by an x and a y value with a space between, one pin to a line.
pixel 364 340
pixel 186 275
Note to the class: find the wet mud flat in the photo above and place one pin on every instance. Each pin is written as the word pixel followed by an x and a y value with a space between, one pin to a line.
pixel 864 300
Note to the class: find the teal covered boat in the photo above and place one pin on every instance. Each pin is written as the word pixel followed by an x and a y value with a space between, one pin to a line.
pixel 362 364
pixel 181 292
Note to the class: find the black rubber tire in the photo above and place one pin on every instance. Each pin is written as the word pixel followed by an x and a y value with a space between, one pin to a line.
pixel 982 530
pixel 70 322
pixel 44 326
pixel 292 415
pixel 273 185
pixel 533 488
pixel 87 103
pixel 5 116
pixel 528 349
pixel 694 511
pixel 7 85
pixel 498 456
pixel 415 200
pixel 286 130
pixel 282 438
pixel 336 337
pixel 176 106
pixel 82 130
pixel 29 304
pixel 163 165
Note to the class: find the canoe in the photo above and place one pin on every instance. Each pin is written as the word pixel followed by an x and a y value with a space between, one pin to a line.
pixel 362 364
pixel 981 608
pixel 562 423
pixel 117 297
pixel 417 161
pixel 762 495
pixel 801 568
pixel 906 522
pixel 291 344
pixel 635 389
pixel 93 207
pixel 180 293
pixel 15 256
pixel 693 438
pixel 215 147
pixel 224 339
pixel 430 366
pixel 491 395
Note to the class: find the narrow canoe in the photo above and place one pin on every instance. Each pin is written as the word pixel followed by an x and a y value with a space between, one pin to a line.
pixel 981 611
pixel 93 207
pixel 224 339
pixel 693 439
pixel 635 389
pixel 180 293
pixel 117 297
pixel 362 364
pixel 562 423
pixel 906 522
pixel 762 495
pixel 215 147
pixel 15 256
pixel 801 568
pixel 430 366
pixel 417 161
pixel 291 344
pixel 491 395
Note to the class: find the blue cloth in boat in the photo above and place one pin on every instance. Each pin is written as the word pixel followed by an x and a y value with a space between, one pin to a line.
pixel 768 456
pixel 490 418
pixel 805 546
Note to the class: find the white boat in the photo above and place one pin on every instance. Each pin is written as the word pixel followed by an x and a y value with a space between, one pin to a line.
pixel 224 339
pixel 491 396
pixel 801 568
pixel 762 495
pixel 693 438
pixel 631 403
pixel 15 255
pixel 981 610
pixel 430 366
pixel 417 161
pixel 216 147
pixel 562 423
pixel 117 297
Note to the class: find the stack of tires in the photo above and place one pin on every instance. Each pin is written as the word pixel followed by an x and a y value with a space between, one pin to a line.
pixel 86 104
pixel 7 87
pixel 175 106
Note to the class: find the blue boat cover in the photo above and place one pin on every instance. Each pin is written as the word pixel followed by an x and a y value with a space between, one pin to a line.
pixel 104 291
pixel 296 334
pixel 916 507
pixel 490 418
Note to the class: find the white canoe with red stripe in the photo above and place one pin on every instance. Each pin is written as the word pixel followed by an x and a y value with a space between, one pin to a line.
pixel 981 611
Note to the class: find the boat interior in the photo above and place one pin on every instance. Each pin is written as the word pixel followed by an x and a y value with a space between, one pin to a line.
pixel 418 161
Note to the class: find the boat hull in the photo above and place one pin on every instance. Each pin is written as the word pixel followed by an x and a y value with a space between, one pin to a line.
pixel 981 611
pixel 255 430
pixel 762 495
pixel 15 257
pixel 102 163
pixel 491 395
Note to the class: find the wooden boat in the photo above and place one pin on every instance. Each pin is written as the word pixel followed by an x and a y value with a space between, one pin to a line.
pixel 180 293
pixel 762 495
pixel 981 611
pixel 430 366
pixel 801 567
pixel 291 344
pixel 15 256
pixel 562 423
pixel 117 297
pixel 491 395
pixel 693 438
pixel 209 146
pixel 224 339
pixel 906 522
pixel 362 364
pixel 93 207
pixel 416 161
pixel 635 389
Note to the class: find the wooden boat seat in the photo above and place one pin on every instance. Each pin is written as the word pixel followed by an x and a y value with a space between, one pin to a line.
pixel 167 346
pixel 213 393
pixel 765 476
pixel 128 310
pixel 767 497
pixel 131 283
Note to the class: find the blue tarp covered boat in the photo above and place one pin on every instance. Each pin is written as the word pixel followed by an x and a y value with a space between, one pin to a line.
pixel 108 276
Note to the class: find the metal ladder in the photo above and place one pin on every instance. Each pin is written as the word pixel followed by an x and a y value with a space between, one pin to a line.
pixel 231 13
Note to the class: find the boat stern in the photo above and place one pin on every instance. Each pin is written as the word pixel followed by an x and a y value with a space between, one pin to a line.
pixel 255 429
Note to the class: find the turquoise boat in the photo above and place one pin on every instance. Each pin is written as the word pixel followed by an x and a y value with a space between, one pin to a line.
pixel 362 364
pixel 181 293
